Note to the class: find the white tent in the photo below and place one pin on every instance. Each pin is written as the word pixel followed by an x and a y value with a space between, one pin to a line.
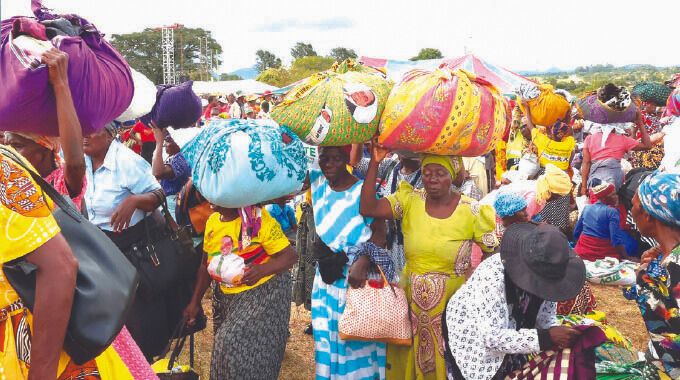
pixel 247 86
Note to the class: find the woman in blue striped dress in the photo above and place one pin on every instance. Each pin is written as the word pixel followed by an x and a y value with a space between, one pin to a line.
pixel 335 201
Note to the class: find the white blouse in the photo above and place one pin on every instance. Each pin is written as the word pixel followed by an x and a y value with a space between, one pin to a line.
pixel 481 330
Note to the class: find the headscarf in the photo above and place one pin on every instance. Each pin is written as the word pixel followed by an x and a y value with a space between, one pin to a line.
pixel 508 204
pixel 559 127
pixel 652 92
pixel 592 127
pixel 48 142
pixel 601 192
pixel 554 181
pixel 659 195
pixel 453 164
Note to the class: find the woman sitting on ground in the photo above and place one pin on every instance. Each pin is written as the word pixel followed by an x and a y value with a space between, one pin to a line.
pixel 598 231
pixel 506 310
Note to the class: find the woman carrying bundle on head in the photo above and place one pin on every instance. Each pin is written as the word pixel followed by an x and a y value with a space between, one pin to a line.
pixel 439 226
pixel 341 230
pixel 608 143
pixel 246 252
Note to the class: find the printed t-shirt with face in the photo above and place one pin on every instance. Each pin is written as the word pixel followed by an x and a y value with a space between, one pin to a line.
pixel 270 238
pixel 615 147
pixel 553 152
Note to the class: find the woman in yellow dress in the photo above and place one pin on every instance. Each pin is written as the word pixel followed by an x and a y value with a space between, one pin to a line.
pixel 439 226
pixel 31 344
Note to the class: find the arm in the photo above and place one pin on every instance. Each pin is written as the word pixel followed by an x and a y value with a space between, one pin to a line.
pixel 369 205
pixel 55 284
pixel 278 263
pixel 585 170
pixel 158 168
pixel 645 142
pixel 356 154
pixel 526 131
pixel 202 283
pixel 147 202
pixel 70 132
pixel 615 232
pixel 579 228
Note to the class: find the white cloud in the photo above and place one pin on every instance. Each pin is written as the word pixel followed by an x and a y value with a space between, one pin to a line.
pixel 520 35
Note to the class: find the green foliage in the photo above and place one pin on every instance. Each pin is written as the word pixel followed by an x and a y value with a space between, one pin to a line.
pixel 586 79
pixel 300 68
pixel 142 50
pixel 230 77
pixel 266 59
pixel 302 49
pixel 428 53
pixel 340 54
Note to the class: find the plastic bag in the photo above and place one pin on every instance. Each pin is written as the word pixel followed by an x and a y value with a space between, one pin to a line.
pixel 237 163
pixel 611 271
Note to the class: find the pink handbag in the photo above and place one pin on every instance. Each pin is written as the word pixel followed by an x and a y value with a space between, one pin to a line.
pixel 377 315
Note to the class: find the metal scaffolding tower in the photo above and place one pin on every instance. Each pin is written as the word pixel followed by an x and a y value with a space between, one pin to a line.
pixel 168 47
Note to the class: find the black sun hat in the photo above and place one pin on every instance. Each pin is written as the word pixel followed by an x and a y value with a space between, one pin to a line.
pixel 538 260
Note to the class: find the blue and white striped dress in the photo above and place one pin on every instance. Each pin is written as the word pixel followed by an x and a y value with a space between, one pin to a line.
pixel 340 226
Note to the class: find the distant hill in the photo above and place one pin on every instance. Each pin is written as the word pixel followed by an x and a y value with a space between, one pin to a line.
pixel 585 79
pixel 246 73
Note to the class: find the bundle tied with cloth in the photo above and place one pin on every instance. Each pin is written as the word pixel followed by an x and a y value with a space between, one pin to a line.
pixel 95 72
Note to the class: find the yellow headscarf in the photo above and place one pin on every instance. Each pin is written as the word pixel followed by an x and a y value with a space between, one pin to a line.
pixel 554 181
pixel 454 164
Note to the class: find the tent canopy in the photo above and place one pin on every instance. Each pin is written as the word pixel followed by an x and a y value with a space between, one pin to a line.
pixel 505 80
pixel 247 86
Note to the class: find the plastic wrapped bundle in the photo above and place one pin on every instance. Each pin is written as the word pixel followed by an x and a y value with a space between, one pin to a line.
pixel 237 163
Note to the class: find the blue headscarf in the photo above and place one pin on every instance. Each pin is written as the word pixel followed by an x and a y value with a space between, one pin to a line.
pixel 508 204
pixel 659 195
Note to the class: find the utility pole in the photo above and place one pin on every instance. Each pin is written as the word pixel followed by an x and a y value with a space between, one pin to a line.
pixel 168 47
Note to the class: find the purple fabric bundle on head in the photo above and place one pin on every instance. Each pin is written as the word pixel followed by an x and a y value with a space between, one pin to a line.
pixel 176 106
pixel 99 77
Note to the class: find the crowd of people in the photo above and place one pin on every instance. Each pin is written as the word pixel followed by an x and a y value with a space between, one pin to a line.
pixel 491 252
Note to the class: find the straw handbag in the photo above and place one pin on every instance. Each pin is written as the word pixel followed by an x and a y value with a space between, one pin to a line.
pixel 376 315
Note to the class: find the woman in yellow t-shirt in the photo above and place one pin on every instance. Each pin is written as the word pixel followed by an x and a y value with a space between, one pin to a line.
pixel 252 310
pixel 32 343
pixel 555 146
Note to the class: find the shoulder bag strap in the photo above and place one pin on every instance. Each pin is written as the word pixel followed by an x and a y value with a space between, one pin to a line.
pixel 57 198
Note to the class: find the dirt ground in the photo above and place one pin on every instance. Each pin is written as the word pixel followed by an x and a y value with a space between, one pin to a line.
pixel 298 363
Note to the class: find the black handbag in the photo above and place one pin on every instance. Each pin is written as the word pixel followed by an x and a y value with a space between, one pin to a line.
pixel 181 335
pixel 105 284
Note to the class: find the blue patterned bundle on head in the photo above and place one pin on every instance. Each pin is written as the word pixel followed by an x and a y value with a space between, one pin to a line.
pixel 508 204
pixel 237 163
pixel 659 195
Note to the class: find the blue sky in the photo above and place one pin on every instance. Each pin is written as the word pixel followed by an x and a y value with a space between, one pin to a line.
pixel 517 34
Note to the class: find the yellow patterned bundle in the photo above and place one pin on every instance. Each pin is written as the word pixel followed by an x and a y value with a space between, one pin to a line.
pixel 446 112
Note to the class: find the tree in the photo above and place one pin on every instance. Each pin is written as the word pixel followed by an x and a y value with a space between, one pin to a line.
pixel 142 50
pixel 300 68
pixel 230 77
pixel 266 59
pixel 340 54
pixel 302 49
pixel 428 53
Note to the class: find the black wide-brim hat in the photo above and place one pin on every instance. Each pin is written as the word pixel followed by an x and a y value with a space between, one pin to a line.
pixel 538 259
